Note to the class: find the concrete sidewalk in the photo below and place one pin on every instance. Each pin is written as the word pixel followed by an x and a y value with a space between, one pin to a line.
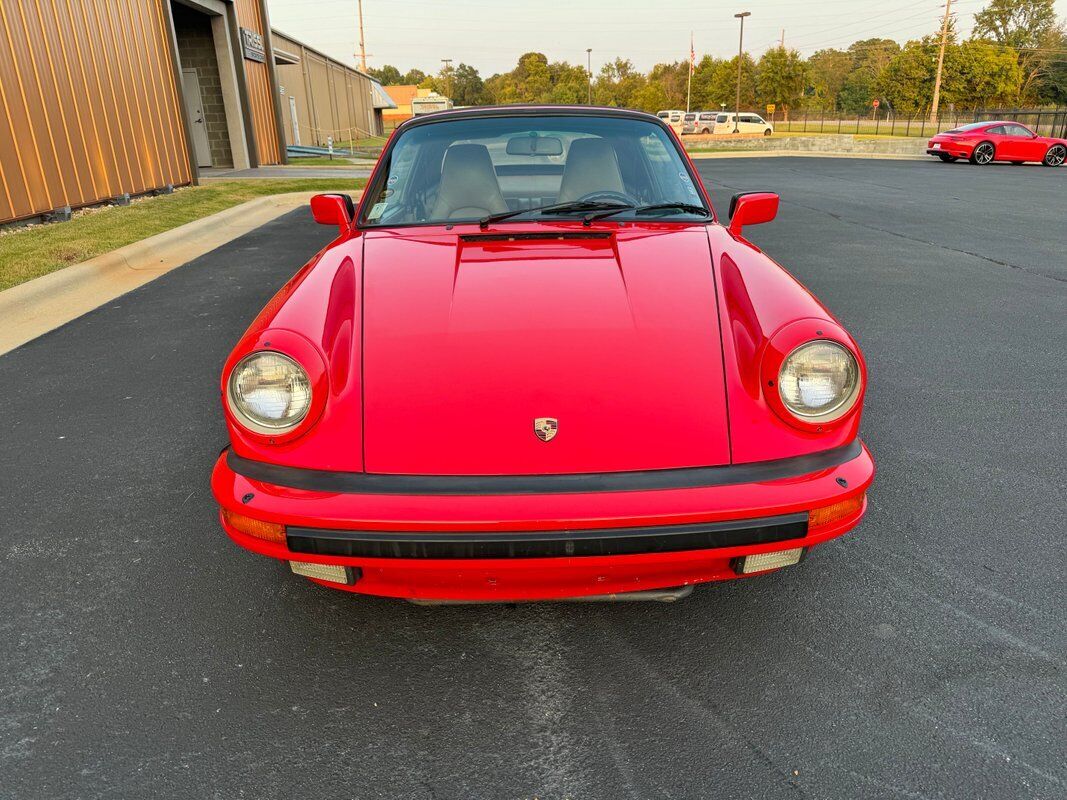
pixel 45 303
pixel 294 171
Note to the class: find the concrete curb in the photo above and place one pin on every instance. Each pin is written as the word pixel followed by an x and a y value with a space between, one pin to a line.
pixel 804 154
pixel 43 304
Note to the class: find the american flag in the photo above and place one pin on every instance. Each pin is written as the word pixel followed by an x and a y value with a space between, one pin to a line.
pixel 692 55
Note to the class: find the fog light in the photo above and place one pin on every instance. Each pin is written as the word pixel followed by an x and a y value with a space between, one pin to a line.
pixel 765 561
pixel 323 572
pixel 828 515
pixel 267 531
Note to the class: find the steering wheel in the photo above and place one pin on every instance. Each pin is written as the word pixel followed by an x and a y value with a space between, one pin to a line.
pixel 608 196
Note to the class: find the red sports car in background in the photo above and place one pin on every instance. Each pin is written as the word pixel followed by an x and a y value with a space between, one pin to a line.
pixel 985 142
pixel 533 365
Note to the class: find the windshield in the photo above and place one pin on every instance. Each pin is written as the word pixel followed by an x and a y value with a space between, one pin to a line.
pixel 468 169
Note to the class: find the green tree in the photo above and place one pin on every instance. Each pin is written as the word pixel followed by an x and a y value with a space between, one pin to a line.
pixel 1016 23
pixel 672 79
pixel 387 75
pixel 715 83
pixel 651 97
pixel 617 83
pixel 907 81
pixel 828 70
pixel 780 78
pixel 468 89
pixel 414 77
pixel 1054 86
pixel 981 74
pixel 1030 28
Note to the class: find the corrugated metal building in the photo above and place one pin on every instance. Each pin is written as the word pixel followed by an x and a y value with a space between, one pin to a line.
pixel 322 97
pixel 100 99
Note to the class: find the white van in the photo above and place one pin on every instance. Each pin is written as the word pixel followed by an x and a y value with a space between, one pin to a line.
pixel 672 118
pixel 746 123
pixel 699 122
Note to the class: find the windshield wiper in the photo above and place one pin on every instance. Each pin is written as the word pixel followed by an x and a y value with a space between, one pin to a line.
pixel 688 208
pixel 574 205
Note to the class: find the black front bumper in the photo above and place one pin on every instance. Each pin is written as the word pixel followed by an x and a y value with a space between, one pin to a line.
pixel 547 544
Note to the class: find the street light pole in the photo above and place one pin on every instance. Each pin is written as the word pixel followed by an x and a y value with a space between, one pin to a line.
pixel 589 72
pixel 740 52
pixel 448 76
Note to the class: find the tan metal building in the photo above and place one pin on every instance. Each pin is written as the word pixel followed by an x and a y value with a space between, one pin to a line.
pixel 322 97
pixel 100 99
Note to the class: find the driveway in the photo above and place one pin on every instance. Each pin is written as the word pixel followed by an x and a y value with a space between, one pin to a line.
pixel 922 656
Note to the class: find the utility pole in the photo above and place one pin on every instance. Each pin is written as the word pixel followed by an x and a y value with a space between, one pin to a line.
pixel 589 72
pixel 362 47
pixel 448 76
pixel 740 52
pixel 940 64
pixel 782 43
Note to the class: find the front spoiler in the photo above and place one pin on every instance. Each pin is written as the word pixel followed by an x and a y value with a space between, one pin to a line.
pixel 530 578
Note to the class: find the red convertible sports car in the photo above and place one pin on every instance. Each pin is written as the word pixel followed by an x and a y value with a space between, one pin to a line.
pixel 985 142
pixel 534 365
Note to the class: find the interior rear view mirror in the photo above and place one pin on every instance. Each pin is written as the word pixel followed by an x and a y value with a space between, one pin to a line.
pixel 535 146
pixel 333 209
pixel 752 208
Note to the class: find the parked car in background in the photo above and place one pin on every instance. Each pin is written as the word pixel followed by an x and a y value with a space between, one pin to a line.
pixel 676 119
pixel 699 122
pixel 533 364
pixel 984 142
pixel 746 123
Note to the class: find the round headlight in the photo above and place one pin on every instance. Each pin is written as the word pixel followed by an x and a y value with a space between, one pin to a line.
pixel 819 381
pixel 269 392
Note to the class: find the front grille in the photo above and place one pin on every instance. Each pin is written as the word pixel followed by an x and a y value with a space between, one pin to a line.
pixel 547 544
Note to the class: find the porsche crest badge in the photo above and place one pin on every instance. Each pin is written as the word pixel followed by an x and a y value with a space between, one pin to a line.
pixel 546 428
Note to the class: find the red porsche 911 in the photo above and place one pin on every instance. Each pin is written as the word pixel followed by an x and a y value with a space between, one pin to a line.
pixel 985 142
pixel 533 365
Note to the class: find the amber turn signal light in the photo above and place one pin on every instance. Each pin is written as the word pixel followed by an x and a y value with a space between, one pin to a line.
pixel 267 531
pixel 828 515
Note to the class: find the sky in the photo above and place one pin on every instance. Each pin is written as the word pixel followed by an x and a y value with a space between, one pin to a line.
pixel 491 34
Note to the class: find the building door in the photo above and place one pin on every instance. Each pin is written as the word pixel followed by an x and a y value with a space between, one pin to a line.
pixel 292 117
pixel 195 107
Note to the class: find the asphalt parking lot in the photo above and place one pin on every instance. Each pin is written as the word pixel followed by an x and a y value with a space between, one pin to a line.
pixel 922 656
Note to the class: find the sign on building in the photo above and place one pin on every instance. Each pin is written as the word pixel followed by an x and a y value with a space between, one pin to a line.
pixel 252 46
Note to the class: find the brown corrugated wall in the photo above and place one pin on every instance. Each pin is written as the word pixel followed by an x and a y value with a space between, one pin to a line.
pixel 88 104
pixel 260 91
pixel 332 99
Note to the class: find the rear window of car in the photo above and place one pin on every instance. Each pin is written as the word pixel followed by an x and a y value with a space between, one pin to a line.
pixel 968 127
pixel 690 117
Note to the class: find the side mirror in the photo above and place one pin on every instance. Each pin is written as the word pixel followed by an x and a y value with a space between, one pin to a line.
pixel 333 209
pixel 752 208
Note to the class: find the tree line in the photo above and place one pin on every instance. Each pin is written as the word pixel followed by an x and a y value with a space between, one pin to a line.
pixel 1016 55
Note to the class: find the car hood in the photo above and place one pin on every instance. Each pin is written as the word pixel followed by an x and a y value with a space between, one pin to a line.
pixel 469 340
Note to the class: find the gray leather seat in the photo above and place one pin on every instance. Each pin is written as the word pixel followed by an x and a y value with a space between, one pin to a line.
pixel 468 186
pixel 592 166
